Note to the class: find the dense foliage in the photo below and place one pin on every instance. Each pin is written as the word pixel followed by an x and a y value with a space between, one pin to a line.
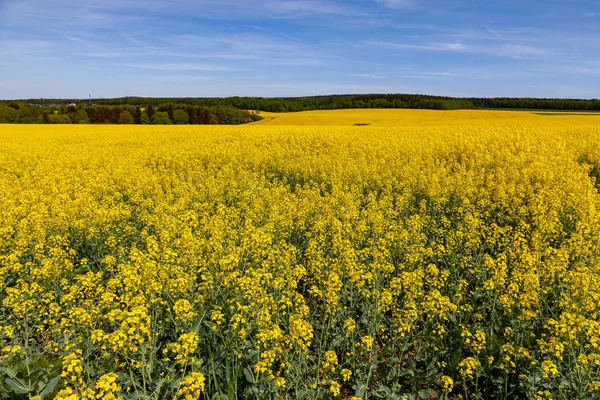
pixel 537 104
pixel 300 262
pixel 24 113
pixel 412 101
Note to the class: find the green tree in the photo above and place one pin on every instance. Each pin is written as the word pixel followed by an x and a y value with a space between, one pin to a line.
pixel 212 118
pixel 59 119
pixel 29 115
pixel 125 118
pixel 144 120
pixel 180 117
pixel 150 111
pixel 137 115
pixel 82 117
pixel 8 115
pixel 161 118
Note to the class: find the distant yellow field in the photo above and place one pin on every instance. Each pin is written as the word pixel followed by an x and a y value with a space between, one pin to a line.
pixel 400 117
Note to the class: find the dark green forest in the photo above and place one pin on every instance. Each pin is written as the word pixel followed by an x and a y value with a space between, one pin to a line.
pixel 71 112
pixel 241 110
pixel 292 104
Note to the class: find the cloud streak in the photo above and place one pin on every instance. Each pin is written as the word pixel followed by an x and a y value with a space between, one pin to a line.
pixel 181 67
pixel 504 50
pixel 397 4
pixel 369 76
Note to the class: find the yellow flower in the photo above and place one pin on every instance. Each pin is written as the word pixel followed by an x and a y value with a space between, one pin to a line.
pixel 594 387
pixel 107 386
pixel 543 395
pixel 549 368
pixel 280 382
pixel 447 383
pixel 468 366
pixel 335 388
pixel 350 326
pixel 191 386
pixel 183 310
pixel 367 342
pixel 346 374
pixel 71 367
pixel 329 362
pixel 189 343
pixel 67 394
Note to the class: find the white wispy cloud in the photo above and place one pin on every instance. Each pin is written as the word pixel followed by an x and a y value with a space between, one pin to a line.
pixel 440 74
pixel 521 50
pixel 26 43
pixel 591 69
pixel 181 67
pixel 244 50
pixel 505 50
pixel 134 53
pixel 396 3
pixel 369 76
pixel 495 33
pixel 304 7
pixel 294 62
pixel 418 26
pixel 433 46
pixel 434 75
pixel 282 35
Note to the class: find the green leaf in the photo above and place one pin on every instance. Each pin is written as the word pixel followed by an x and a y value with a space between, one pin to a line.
pixel 249 376
pixel 10 372
pixel 382 389
pixel 50 386
pixel 159 384
pixel 362 389
pixel 17 386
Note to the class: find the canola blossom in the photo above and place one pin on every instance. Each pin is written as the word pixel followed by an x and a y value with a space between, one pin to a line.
pixel 301 262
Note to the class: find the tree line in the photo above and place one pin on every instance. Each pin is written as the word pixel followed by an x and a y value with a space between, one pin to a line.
pixel 537 104
pixel 164 114
pixel 293 104
pixel 290 104
pixel 234 110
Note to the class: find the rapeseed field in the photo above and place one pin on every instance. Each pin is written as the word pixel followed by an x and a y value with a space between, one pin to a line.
pixel 429 118
pixel 303 262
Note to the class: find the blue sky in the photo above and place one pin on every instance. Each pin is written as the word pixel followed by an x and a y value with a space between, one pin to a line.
pixel 111 48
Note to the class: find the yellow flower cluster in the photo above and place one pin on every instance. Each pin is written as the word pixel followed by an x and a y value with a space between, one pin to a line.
pixel 450 257
pixel 468 367
pixel 447 383
pixel 183 310
pixel 329 363
pixel 191 387
pixel 106 387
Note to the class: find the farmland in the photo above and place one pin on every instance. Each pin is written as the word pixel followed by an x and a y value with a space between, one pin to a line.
pixel 423 254
pixel 428 118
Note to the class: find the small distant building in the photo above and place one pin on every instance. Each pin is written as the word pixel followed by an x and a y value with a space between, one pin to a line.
pixel 71 105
